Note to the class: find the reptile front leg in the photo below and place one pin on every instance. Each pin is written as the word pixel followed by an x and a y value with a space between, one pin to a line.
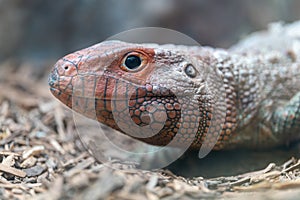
pixel 286 119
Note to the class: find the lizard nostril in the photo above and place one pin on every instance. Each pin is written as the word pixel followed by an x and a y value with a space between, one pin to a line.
pixel 66 69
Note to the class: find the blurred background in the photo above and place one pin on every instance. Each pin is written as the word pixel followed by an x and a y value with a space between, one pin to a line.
pixel 45 29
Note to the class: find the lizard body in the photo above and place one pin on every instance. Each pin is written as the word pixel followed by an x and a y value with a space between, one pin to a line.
pixel 248 95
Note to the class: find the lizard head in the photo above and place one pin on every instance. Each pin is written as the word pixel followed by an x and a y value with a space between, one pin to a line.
pixel 139 89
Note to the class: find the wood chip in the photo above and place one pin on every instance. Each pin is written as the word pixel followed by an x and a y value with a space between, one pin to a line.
pixel 35 170
pixel 29 162
pixel 10 186
pixel 11 170
pixel 152 183
pixel 9 160
pixel 262 177
pixel 36 150
pixel 295 166
pixel 59 115
pixel 8 153
pixel 57 146
pixel 287 185
pixel 78 168
pixel 17 191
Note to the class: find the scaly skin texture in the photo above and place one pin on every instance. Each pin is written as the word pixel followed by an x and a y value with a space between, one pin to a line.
pixel 246 96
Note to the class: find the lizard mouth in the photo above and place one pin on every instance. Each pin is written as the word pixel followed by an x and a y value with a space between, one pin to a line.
pixel 62 96
pixel 56 92
pixel 137 98
pixel 117 93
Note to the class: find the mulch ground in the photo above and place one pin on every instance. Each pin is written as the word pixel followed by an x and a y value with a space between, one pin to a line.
pixel 41 157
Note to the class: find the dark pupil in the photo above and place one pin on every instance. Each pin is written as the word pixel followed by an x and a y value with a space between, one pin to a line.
pixel 132 62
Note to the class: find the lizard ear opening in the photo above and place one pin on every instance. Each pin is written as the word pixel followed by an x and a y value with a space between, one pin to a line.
pixel 190 71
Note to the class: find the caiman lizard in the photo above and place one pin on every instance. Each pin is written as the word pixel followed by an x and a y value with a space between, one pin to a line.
pixel 245 96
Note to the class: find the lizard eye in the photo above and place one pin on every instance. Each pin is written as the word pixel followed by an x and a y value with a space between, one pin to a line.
pixel 190 71
pixel 134 61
